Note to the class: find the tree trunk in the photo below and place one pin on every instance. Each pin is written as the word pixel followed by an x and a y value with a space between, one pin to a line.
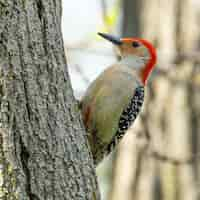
pixel 43 148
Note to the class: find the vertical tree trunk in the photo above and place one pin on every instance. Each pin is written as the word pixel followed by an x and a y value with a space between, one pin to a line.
pixel 131 21
pixel 43 148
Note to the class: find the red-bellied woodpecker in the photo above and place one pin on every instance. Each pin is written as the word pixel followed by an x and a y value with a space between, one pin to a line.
pixel 113 101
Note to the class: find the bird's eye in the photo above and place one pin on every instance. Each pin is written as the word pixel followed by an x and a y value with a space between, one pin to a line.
pixel 135 44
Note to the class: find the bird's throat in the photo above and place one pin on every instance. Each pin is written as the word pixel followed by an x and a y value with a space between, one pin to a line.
pixel 133 62
pixel 142 66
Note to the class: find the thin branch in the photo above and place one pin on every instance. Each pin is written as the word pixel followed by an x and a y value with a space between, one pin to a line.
pixel 92 51
pixel 80 71
pixel 176 161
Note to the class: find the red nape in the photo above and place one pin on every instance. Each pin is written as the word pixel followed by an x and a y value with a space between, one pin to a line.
pixel 151 64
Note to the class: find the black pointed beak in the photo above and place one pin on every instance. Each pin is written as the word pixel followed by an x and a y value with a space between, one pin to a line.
pixel 111 38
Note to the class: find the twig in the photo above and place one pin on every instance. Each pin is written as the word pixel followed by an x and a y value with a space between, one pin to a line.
pixel 176 161
pixel 79 70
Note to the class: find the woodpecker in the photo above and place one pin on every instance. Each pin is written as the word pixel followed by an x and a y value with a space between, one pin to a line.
pixel 113 101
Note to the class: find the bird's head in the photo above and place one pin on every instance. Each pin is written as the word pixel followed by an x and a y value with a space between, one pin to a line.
pixel 135 48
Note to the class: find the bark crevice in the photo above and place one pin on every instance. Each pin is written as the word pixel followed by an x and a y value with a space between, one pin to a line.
pixel 40 124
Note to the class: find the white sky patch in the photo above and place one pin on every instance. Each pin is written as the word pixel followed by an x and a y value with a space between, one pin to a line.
pixel 80 18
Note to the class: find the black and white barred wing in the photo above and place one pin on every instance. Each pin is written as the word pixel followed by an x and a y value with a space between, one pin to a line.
pixel 127 117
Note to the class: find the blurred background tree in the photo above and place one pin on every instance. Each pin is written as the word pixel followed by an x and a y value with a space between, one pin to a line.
pixel 165 167
pixel 159 157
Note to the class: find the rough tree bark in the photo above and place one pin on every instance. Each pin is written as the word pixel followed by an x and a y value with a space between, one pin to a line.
pixel 43 148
